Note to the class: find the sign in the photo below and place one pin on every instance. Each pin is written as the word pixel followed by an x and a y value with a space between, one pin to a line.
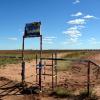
pixel 32 29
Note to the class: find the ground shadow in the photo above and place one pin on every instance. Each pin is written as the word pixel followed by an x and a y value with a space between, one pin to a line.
pixel 9 87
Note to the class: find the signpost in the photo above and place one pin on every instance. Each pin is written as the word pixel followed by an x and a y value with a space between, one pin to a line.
pixel 31 30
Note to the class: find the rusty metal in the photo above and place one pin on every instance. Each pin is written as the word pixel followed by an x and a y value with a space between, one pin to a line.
pixel 40 81
pixel 52 74
pixel 23 72
pixel 65 59
pixel 56 68
pixel 88 78
pixel 40 63
pixel 36 69
pixel 23 63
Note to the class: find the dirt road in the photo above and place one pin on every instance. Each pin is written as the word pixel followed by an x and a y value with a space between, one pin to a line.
pixel 10 75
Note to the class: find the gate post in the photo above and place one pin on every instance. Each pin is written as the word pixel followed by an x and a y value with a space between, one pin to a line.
pixel 56 67
pixel 52 73
pixel 88 79
pixel 23 72
pixel 40 69
pixel 36 69
pixel 40 65
pixel 23 63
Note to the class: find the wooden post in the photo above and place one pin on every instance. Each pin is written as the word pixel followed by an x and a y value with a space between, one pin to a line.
pixel 23 49
pixel 23 63
pixel 44 69
pixel 40 65
pixel 52 74
pixel 36 70
pixel 88 78
pixel 40 46
pixel 23 72
pixel 56 67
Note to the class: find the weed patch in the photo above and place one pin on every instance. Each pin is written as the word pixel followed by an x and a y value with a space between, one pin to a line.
pixel 61 92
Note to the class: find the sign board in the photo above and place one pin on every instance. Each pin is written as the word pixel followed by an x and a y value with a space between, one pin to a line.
pixel 32 29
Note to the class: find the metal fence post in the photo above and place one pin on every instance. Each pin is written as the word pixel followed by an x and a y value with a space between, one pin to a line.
pixel 56 67
pixel 52 74
pixel 36 70
pixel 40 67
pixel 88 79
pixel 23 63
pixel 23 72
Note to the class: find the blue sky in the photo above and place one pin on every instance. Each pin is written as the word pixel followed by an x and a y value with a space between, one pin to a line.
pixel 66 24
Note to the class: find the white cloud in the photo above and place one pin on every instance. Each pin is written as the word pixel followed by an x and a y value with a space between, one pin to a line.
pixel 72 32
pixel 78 27
pixel 77 22
pixel 81 26
pixel 76 1
pixel 93 41
pixel 49 40
pixel 72 41
pixel 73 28
pixel 89 17
pixel 77 14
pixel 51 37
pixel 12 38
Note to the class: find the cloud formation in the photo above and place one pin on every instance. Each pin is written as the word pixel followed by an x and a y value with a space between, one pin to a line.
pixel 89 17
pixel 76 2
pixel 77 14
pixel 77 24
pixel 12 38
pixel 49 40
pixel 79 21
pixel 93 41
pixel 73 32
pixel 72 41
pixel 51 37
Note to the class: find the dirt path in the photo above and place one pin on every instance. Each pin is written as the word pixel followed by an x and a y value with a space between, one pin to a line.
pixel 11 75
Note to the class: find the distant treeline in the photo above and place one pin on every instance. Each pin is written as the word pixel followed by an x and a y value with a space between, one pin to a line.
pixel 45 51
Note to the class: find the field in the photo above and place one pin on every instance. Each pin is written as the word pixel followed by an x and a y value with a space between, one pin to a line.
pixel 71 81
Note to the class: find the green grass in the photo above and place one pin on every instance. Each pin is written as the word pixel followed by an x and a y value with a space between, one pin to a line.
pixel 31 55
pixel 27 57
pixel 63 65
pixel 77 55
pixel 4 61
pixel 61 92
pixel 84 95
pixel 66 65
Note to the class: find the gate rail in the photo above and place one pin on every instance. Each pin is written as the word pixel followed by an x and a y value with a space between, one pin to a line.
pixel 89 62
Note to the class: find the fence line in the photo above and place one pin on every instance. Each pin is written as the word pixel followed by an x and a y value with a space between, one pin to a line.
pixel 89 62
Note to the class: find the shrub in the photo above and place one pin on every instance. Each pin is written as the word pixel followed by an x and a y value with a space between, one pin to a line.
pixel 61 92
pixel 84 95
